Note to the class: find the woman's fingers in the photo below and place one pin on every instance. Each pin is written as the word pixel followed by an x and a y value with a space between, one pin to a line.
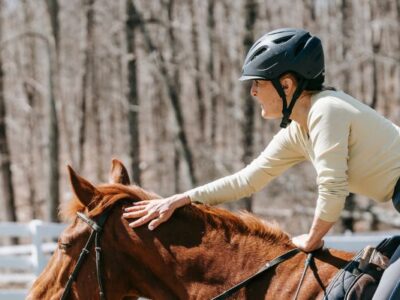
pixel 153 212
pixel 135 208
pixel 135 214
pixel 143 220
pixel 161 219
pixel 144 202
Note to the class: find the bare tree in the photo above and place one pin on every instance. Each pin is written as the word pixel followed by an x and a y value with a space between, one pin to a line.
pixel 33 98
pixel 86 75
pixel 133 97
pixel 211 69
pixel 96 101
pixel 251 8
pixel 53 138
pixel 198 78
pixel 5 156
pixel 53 9
pixel 376 47
pixel 173 96
pixel 347 35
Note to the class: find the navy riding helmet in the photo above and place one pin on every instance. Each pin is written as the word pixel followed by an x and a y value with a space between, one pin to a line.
pixel 282 51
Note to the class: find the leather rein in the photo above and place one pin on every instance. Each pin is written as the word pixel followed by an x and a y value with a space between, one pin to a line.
pixel 265 268
pixel 95 236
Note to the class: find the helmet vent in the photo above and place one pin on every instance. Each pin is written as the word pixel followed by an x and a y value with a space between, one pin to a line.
pixel 300 45
pixel 283 39
pixel 259 51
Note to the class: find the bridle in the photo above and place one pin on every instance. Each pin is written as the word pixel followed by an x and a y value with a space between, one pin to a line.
pixel 94 235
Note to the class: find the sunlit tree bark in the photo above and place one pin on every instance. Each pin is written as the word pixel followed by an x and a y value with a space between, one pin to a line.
pixel 5 156
pixel 133 97
pixel 53 137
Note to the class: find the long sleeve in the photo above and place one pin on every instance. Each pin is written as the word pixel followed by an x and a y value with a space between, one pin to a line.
pixel 329 129
pixel 280 154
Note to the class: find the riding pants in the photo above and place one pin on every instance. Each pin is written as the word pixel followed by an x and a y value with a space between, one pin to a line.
pixel 389 286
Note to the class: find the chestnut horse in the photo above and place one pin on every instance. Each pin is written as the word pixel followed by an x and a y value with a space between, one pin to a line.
pixel 199 253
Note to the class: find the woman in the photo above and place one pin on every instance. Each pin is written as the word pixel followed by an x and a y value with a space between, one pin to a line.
pixel 352 147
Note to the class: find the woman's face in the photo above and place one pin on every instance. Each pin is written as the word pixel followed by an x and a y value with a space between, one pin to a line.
pixel 265 93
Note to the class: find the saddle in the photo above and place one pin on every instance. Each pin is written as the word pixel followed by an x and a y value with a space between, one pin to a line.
pixel 360 277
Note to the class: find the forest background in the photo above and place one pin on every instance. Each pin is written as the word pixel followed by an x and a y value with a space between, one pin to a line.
pixel 155 84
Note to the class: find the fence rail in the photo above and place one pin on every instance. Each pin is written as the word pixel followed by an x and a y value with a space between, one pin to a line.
pixel 21 264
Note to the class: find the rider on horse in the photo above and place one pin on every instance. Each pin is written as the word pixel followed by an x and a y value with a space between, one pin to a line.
pixel 352 147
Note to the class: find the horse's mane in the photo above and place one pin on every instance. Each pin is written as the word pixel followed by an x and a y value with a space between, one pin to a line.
pixel 244 222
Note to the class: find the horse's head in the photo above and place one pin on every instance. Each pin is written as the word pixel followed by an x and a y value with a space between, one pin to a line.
pixel 102 204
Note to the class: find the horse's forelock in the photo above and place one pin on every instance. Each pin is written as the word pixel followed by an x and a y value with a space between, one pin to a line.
pixel 68 209
pixel 109 195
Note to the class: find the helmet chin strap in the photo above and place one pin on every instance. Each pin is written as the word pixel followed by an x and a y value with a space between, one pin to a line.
pixel 287 110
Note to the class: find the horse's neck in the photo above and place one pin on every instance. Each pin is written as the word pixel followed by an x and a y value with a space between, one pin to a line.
pixel 189 258
pixel 213 258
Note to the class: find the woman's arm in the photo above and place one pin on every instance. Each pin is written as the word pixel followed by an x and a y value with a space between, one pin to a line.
pixel 281 153
pixel 329 129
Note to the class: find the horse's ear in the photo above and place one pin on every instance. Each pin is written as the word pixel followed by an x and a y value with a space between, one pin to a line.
pixel 82 188
pixel 118 173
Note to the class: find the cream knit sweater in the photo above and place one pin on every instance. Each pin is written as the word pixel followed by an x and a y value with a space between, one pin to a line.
pixel 351 146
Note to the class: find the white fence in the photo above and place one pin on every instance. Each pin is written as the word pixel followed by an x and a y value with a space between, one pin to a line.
pixel 21 264
pixel 355 242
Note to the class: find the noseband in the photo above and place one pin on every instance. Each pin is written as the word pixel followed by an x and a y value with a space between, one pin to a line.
pixel 94 235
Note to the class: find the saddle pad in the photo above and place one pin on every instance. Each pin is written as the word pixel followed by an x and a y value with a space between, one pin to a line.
pixel 359 278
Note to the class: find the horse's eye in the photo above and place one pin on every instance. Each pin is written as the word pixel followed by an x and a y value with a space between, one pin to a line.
pixel 63 246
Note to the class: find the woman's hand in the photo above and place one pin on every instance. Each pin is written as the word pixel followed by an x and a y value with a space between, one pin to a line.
pixel 313 240
pixel 154 211
pixel 304 243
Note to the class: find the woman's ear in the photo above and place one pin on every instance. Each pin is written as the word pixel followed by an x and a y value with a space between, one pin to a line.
pixel 289 84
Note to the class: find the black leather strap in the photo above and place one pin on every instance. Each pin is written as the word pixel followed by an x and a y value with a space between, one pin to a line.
pixel 95 235
pixel 268 266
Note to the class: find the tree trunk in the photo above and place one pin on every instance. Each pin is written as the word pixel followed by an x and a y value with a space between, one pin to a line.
pixel 310 15
pixel 376 46
pixel 53 9
pixel 347 35
pixel 5 158
pixel 33 98
pixel 177 169
pixel 86 75
pixel 198 78
pixel 133 97
pixel 177 87
pixel 211 71
pixel 53 138
pixel 251 8
pixel 95 93
pixel 173 96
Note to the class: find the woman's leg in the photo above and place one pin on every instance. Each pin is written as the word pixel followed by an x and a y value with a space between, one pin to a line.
pixel 389 286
